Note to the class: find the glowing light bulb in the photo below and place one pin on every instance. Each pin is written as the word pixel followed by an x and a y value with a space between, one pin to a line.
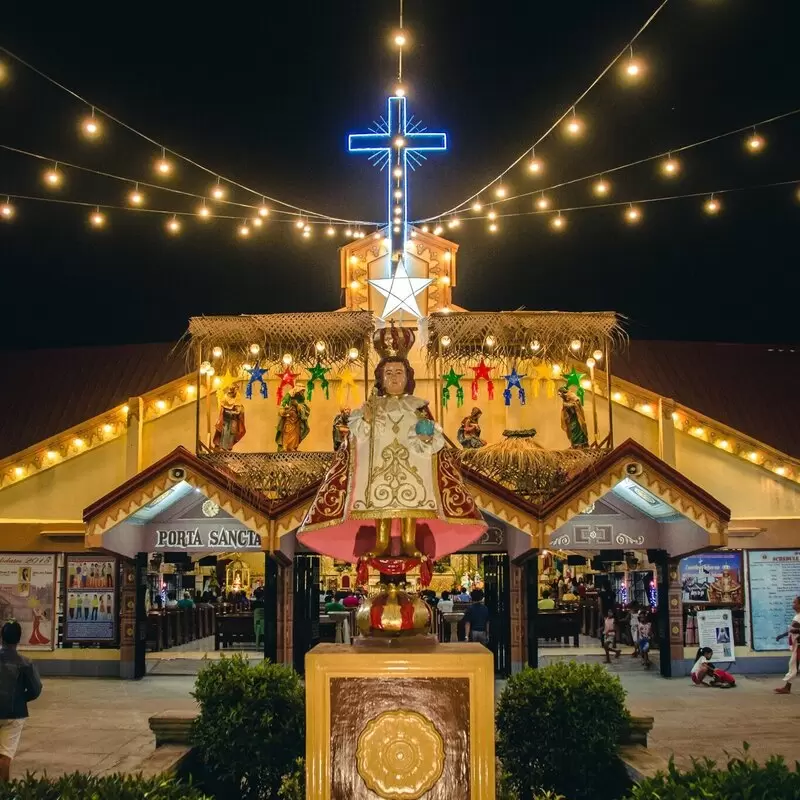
pixel 257 222
pixel 352 353
pixel 586 384
pixel 492 214
pixel 753 456
pixel 97 218
pixel 203 211
pixel 399 91
pixel 490 341
pixel 755 143
pixel 216 352
pixel 91 127
pixel 218 191
pixel 556 370
pixel 6 210
pixel 287 359
pixel 781 471
pixel 299 224
pixel 598 355
pixel 263 211
pixel 424 228
pixel 347 231
pixel 712 206
pixel 355 285
pixel 163 166
pixel 78 442
pixel 535 346
pixel 493 228
pixel 190 389
pixel 454 223
pixel 438 230
pixel 160 405
pixel 398 194
pixel 575 345
pixel 400 39
pixel 445 280
pixel 536 166
pixel 617 397
pixel 543 203
pixel 319 346
pixel 399 141
pixel 397 172
pixel 398 210
pixel 500 191
pixel 633 215
pixel 107 428
pixel 633 69
pixel 19 471
pixel 330 230
pixel 254 349
pixel 3 73
pixel 306 234
pixel 246 366
pixel 52 455
pixel 446 340
pixel 558 223
pixel 244 231
pixel 476 206
pixel 670 166
pixel 53 177
pixel 602 188
pixel 590 362
pixel 136 198
pixel 173 226
pixel 574 126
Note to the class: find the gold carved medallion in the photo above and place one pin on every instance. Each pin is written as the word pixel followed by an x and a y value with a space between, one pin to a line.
pixel 400 755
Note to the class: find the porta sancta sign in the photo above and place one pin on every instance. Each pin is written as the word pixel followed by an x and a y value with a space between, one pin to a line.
pixel 206 537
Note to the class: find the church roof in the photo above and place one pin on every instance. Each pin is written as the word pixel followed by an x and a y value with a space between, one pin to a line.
pixel 752 388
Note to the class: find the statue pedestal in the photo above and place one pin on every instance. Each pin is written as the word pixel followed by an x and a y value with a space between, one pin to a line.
pixel 400 719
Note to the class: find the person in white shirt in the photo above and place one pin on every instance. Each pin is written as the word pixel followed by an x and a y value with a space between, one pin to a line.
pixel 445 605
pixel 794 643
pixel 703 668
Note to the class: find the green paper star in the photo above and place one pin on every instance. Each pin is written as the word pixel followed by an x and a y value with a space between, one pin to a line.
pixel 574 379
pixel 318 373
pixel 452 379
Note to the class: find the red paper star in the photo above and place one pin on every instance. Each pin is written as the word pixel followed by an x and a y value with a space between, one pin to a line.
pixel 482 371
pixel 287 379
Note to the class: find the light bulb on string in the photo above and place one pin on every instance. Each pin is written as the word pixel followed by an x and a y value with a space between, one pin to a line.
pixel 399 91
pixel 632 68
pixel 307 234
pixel 493 227
pixel 218 191
pixel 601 188
pixel 543 202
pixel 454 222
pixel 299 224
pixel 244 230
pixel 90 126
pixel 97 219
pixel 400 39
pixel 203 211
pixel 500 191
pixel 399 142
pixel 263 209
pixel 173 225
pixel 755 142
pixel 535 165
pixel 3 72
pixel 574 125
pixel 347 232
pixel 257 222
pixel 397 172
pixel 163 165
pixel 330 230
pixel 492 214
pixel 53 177
pixel 136 198
pixel 558 223
pixel 6 209
pixel 476 206
pixel 633 215
pixel 712 206
pixel 424 228
pixel 670 166
pixel 438 230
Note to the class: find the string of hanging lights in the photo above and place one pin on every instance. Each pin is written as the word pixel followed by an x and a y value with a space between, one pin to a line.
pixel 92 126
pixel 632 69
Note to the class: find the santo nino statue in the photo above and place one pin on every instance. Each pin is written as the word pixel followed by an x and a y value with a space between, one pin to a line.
pixel 393 489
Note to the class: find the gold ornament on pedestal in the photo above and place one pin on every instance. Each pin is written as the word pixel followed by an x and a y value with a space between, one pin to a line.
pixel 393 612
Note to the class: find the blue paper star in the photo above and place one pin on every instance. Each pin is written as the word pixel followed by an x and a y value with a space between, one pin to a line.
pixel 513 381
pixel 256 374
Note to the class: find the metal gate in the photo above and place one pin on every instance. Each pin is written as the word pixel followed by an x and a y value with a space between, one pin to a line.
pixel 305 629
pixel 498 601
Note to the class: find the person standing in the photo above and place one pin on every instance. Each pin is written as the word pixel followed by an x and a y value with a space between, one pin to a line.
pixel 19 684
pixel 794 643
pixel 610 636
pixel 476 618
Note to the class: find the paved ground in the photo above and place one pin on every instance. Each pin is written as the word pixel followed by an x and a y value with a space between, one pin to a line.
pixel 99 725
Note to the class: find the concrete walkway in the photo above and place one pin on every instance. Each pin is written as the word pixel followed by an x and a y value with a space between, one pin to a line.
pixel 90 724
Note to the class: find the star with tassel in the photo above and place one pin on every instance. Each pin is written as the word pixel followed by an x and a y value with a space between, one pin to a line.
pixel 347 381
pixel 317 373
pixel 574 379
pixel 256 374
pixel 225 382
pixel 513 381
pixel 452 380
pixel 287 379
pixel 482 373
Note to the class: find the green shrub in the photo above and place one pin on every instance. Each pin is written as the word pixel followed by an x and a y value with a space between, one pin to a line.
pixel 742 779
pixel 293 784
pixel 251 726
pixel 558 728
pixel 110 787
pixel 505 791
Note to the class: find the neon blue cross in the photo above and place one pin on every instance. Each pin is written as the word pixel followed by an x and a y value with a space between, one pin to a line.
pixel 396 142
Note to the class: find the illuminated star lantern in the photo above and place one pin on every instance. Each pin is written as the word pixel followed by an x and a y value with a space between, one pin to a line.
pixel 482 373
pixel 513 381
pixel 400 291
pixel 452 379
pixel 574 379
pixel 256 374
pixel 225 382
pixel 317 373
pixel 287 378
pixel 347 381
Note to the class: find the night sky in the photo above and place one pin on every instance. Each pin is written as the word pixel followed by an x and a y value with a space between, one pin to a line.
pixel 266 93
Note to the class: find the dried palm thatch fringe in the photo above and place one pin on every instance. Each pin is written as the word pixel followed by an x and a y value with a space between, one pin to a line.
pixel 520 336
pixel 521 464
pixel 276 476
pixel 277 334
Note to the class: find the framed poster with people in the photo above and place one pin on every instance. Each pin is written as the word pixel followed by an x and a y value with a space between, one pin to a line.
pixel 27 595
pixel 91 598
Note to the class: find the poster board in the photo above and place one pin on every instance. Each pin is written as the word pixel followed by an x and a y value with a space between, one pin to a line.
pixel 774 583
pixel 715 630
pixel 28 595
pixel 712 578
pixel 91 598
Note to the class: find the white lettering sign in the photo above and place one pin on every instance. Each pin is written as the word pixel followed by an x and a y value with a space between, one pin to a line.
pixel 207 539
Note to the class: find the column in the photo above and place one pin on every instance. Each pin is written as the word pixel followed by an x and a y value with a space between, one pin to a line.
pixel 133 437
pixel 674 593
pixel 666 431
pixel 532 607
pixel 270 608
pixel 132 620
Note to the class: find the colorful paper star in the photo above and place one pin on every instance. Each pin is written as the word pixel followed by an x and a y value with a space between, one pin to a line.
pixel 401 291
pixel 347 381
pixel 318 373
pixel 225 382
pixel 513 381
pixel 287 378
pixel 256 374
pixel 574 379
pixel 482 373
pixel 453 379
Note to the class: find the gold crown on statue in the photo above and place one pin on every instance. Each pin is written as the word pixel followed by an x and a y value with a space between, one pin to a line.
pixel 393 341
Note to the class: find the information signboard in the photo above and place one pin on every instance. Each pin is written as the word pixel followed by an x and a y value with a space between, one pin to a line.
pixel 774 583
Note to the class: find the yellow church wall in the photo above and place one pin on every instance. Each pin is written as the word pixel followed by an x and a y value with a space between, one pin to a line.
pixel 63 491
pixel 162 434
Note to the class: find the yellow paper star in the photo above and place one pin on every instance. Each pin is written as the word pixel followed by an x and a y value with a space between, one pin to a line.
pixel 227 380
pixel 347 380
